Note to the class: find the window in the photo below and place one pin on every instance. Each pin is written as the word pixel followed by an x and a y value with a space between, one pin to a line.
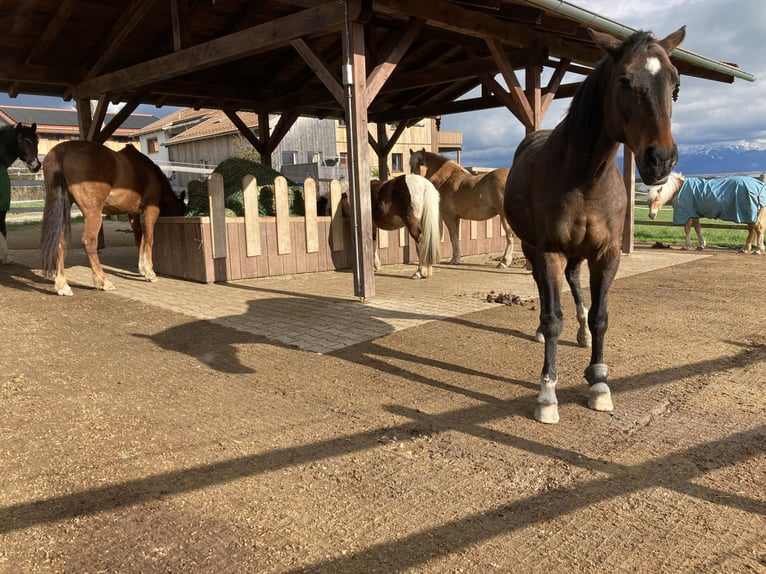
pixel 153 145
pixel 397 163
pixel 343 159
pixel 288 157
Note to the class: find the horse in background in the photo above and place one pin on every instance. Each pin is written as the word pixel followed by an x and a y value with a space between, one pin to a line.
pixel 100 180
pixel 465 196
pixel 565 198
pixel 409 201
pixel 739 199
pixel 16 142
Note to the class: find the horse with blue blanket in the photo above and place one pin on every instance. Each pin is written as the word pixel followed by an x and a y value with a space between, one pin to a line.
pixel 739 199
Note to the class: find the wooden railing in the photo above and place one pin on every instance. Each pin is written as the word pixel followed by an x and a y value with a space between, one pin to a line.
pixel 221 248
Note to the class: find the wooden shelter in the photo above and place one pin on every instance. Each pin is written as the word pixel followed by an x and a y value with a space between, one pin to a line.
pixel 385 61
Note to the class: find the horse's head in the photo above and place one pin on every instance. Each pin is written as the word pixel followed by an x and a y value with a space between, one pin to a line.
pixel 639 100
pixel 418 161
pixel 659 195
pixel 172 204
pixel 26 145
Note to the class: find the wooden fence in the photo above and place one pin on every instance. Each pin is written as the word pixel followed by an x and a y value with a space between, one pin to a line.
pixel 219 248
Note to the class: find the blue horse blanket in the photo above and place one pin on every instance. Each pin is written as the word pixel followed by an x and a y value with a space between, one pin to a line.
pixel 735 199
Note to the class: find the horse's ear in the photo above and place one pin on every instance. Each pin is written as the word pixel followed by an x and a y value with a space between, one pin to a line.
pixel 671 41
pixel 34 127
pixel 606 42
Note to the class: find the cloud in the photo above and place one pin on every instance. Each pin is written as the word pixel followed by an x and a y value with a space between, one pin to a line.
pixel 707 112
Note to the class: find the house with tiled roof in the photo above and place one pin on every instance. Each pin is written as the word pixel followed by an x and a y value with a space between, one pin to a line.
pixel 55 125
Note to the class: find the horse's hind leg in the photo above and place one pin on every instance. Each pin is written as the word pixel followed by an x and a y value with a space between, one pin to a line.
pixel 572 274
pixel 507 259
pixel 60 282
pixel 91 227
pixel 701 243
pixel 452 221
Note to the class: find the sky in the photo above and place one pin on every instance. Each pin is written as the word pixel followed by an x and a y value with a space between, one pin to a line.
pixel 707 112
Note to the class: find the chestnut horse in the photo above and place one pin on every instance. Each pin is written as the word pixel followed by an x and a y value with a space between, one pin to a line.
pixel 100 180
pixel 565 197
pixel 409 201
pixel 465 196
pixel 739 199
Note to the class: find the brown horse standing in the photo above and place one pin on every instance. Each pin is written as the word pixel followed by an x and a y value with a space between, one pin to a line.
pixel 100 180
pixel 465 196
pixel 566 200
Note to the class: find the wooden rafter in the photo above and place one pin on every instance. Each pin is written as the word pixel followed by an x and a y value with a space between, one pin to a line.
pixel 219 51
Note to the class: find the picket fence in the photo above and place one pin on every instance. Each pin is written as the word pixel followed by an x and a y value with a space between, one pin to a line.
pixel 218 248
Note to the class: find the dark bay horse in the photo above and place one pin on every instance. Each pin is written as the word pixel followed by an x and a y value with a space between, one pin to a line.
pixel 20 142
pixel 565 197
pixel 100 180
pixel 16 142
pixel 465 196
pixel 409 201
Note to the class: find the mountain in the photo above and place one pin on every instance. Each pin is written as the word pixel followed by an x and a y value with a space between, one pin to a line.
pixel 720 159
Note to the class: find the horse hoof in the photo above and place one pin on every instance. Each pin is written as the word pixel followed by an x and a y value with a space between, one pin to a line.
pixel 583 338
pixel 548 414
pixel 417 275
pixel 65 291
pixel 502 265
pixel 108 286
pixel 600 398
pixel 539 337
pixel 700 248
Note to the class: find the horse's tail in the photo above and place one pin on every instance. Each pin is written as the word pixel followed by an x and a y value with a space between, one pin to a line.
pixel 429 226
pixel 56 214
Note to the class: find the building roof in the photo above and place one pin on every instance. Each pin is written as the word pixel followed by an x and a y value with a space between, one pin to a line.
pixel 286 56
pixel 176 120
pixel 215 125
pixel 61 119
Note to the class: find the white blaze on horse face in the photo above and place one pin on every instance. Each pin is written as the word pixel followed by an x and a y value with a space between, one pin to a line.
pixel 653 65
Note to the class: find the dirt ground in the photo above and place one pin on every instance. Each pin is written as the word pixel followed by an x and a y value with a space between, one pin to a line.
pixel 414 452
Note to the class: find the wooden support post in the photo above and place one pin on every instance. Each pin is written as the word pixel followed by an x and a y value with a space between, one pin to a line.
pixel 629 177
pixel 359 165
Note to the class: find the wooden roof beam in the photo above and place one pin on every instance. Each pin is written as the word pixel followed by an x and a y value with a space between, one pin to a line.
pixel 253 40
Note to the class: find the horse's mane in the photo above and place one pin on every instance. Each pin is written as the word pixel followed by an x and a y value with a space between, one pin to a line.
pixel 7 140
pixel 148 163
pixel 580 120
pixel 445 160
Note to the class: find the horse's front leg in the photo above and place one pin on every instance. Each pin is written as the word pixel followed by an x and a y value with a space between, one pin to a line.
pixel 602 274
pixel 572 274
pixel 91 226
pixel 548 269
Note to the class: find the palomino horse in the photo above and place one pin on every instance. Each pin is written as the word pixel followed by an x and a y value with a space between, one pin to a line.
pixel 409 201
pixel 739 199
pixel 566 201
pixel 100 180
pixel 465 196
pixel 17 141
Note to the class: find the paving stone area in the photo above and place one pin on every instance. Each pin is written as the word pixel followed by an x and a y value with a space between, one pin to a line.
pixel 318 312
